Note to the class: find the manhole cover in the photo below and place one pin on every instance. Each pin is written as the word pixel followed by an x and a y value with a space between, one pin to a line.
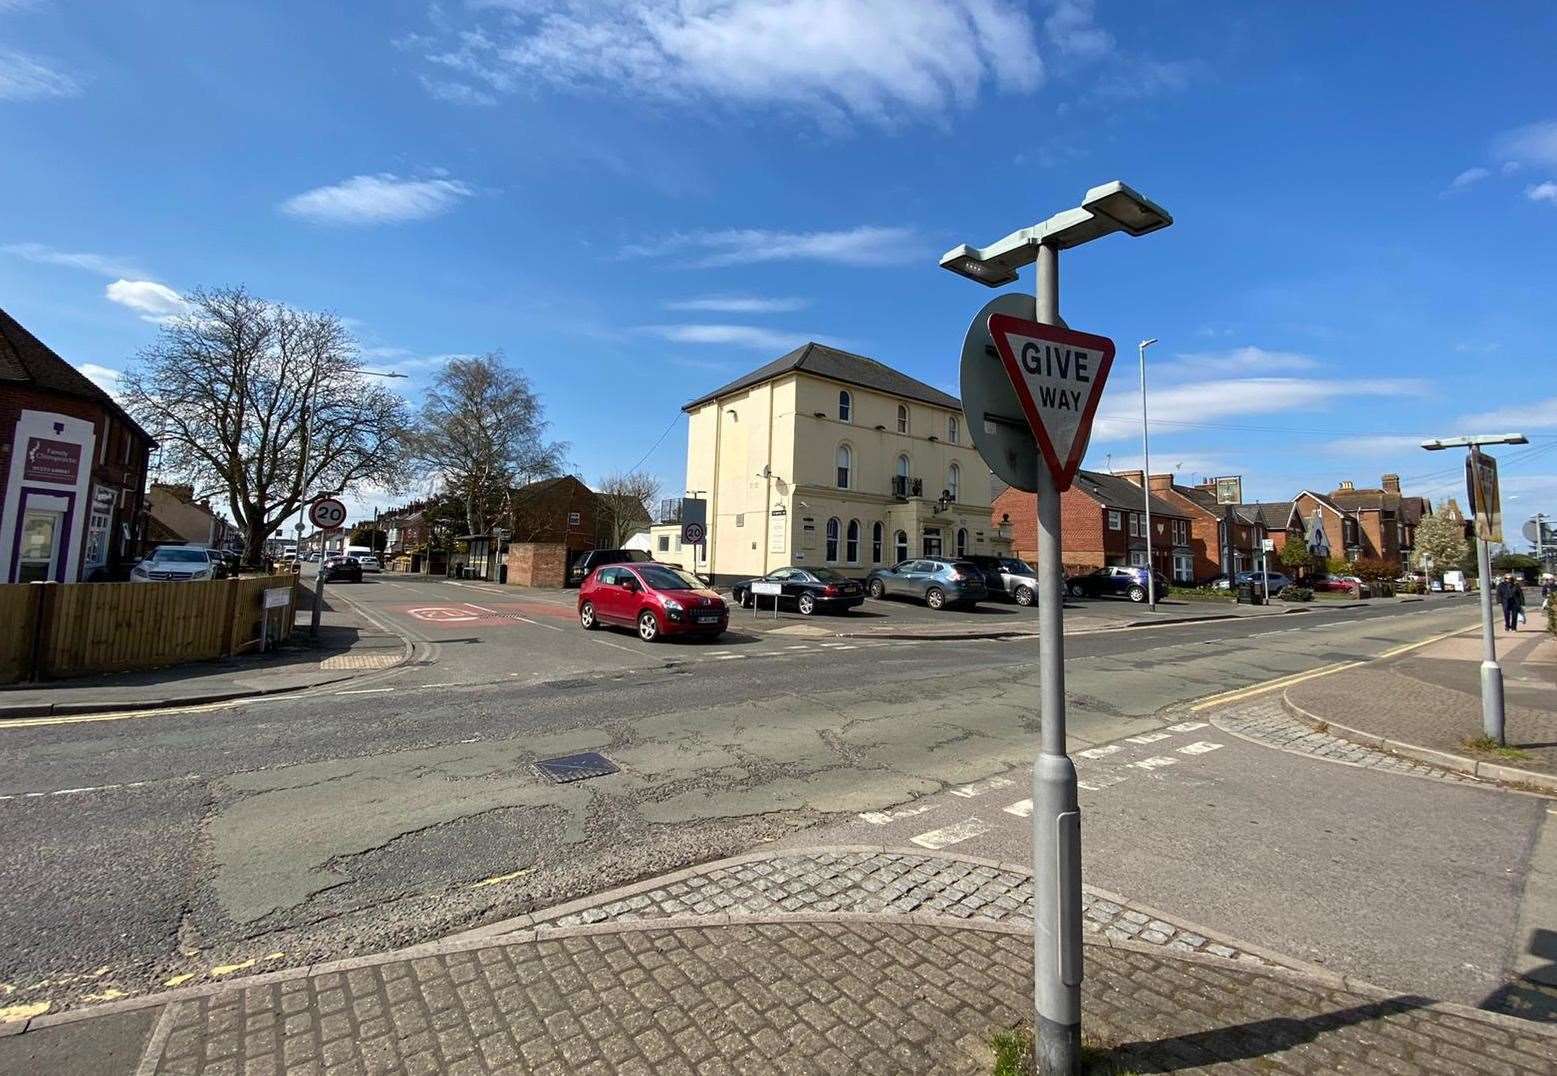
pixel 576 767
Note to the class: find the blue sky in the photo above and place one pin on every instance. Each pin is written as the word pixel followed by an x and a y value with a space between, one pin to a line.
pixel 640 199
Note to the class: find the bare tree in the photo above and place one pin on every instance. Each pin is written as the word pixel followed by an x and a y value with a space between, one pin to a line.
pixel 482 431
pixel 264 405
pixel 628 497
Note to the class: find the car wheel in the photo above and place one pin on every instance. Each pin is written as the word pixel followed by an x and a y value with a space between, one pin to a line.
pixel 806 604
pixel 648 626
pixel 876 589
pixel 935 598
pixel 1137 594
pixel 1077 590
pixel 586 616
pixel 746 598
pixel 1025 596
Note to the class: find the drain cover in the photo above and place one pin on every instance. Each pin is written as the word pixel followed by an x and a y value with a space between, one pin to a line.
pixel 576 767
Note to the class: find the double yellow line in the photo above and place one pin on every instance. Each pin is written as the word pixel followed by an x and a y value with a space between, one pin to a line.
pixel 1313 674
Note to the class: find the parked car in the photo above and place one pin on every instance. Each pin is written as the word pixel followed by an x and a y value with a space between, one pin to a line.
pixel 174 564
pixel 809 590
pixel 937 581
pixel 1124 581
pixel 1275 581
pixel 368 561
pixel 657 599
pixel 342 568
pixel 1008 577
pixel 1342 584
pixel 591 559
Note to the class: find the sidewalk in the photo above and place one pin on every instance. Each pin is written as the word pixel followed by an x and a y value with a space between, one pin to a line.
pixel 632 983
pixel 348 647
pixel 1431 698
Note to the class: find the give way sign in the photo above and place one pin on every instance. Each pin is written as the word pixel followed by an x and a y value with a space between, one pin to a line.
pixel 1058 376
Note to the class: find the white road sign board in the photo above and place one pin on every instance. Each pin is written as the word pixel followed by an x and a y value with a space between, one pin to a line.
pixel 772 589
pixel 1058 376
pixel 327 513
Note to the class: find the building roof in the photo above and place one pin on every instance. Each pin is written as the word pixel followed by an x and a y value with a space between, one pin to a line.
pixel 829 362
pixel 1272 515
pixel 1111 491
pixel 1373 500
pixel 25 358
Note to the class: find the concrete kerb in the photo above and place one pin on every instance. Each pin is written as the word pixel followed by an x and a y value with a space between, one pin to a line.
pixel 1543 783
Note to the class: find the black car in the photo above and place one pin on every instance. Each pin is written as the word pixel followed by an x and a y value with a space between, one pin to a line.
pixel 344 569
pixel 591 559
pixel 1117 581
pixel 807 589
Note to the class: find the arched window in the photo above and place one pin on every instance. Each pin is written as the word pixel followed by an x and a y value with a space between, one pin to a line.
pixel 962 541
pixel 900 484
pixel 878 535
pixel 952 429
pixel 953 480
pixel 902 418
pixel 832 541
pixel 845 466
pixel 900 547
pixel 845 405
pixel 851 545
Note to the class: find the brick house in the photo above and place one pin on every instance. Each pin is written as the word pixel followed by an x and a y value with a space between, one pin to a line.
pixel 1102 521
pixel 72 469
pixel 175 516
pixel 1386 519
pixel 555 520
pixel 1208 525
pixel 1340 533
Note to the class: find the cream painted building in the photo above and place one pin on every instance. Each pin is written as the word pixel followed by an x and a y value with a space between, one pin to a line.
pixel 826 458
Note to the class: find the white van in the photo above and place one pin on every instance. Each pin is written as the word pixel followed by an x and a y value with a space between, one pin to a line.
pixel 364 556
pixel 1454 580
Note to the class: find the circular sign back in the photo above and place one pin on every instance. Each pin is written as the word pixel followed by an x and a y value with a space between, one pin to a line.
pixel 694 532
pixel 995 419
pixel 327 513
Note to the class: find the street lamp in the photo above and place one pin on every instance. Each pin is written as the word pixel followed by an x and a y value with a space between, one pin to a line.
pixel 1112 207
pixel 1491 671
pixel 1146 482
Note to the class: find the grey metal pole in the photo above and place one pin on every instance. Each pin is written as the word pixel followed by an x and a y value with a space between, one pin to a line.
pixel 1491 671
pixel 313 624
pixel 1146 491
pixel 1056 814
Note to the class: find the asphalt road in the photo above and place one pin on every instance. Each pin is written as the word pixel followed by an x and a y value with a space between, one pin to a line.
pixel 138 851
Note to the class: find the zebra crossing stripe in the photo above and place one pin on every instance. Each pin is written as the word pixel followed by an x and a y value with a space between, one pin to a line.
pixel 1201 748
pixel 1021 808
pixel 1145 738
pixel 1099 752
pixel 942 838
pixel 1154 763
pixel 1187 726
pixel 978 788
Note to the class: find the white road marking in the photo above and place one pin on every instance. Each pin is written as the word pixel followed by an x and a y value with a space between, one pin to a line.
pixel 1099 752
pixel 1187 726
pixel 1021 808
pixel 978 788
pixel 800 646
pixel 726 657
pixel 365 691
pixel 1098 782
pixel 845 648
pixel 881 818
pixel 515 616
pixel 1150 737
pixel 950 835
pixel 1201 748
pixel 1154 763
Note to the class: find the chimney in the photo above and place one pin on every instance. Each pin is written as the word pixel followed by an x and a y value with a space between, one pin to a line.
pixel 1162 483
pixel 1346 487
pixel 1391 483
pixel 1135 477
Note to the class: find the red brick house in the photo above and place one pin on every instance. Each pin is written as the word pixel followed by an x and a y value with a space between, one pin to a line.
pixel 1339 533
pixel 1386 519
pixel 1208 525
pixel 1103 523
pixel 72 469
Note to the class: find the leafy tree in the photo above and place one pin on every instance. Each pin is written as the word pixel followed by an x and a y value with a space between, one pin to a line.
pixel 481 431
pixel 1440 541
pixel 264 405
pixel 1515 562
pixel 1295 556
pixel 1374 570
pixel 1338 566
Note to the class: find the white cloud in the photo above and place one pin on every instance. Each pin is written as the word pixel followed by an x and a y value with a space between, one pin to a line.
pixel 1235 361
pixel 155 302
pixel 1203 402
pixel 1071 27
pixel 102 264
pixel 1468 178
pixel 738 304
pixel 866 245
pixel 749 336
pixel 879 61
pixel 102 376
pixel 1542 192
pixel 1516 418
pixel 1534 143
pixel 29 78
pixel 384 198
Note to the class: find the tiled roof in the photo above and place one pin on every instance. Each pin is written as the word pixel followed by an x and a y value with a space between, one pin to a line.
pixel 842 366
pixel 1111 491
pixel 25 358
pixel 1273 515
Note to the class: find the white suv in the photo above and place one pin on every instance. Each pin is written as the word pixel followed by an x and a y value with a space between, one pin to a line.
pixel 174 564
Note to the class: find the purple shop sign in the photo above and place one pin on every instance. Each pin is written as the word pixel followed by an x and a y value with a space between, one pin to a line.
pixel 58 462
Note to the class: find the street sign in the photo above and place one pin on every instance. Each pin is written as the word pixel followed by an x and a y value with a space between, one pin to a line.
pixel 1268 545
pixel 994 415
pixel 327 513
pixel 692 533
pixel 694 520
pixel 277 597
pixel 770 589
pixel 1058 376
pixel 1481 487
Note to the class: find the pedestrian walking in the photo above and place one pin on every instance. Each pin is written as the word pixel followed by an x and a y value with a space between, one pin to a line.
pixel 1512 597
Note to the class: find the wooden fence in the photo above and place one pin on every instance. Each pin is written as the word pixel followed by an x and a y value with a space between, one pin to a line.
pixel 55 630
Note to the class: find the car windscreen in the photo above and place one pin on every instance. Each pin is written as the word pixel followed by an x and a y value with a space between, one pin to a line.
pixel 827 575
pixel 180 556
pixel 1017 567
pixel 967 566
pixel 662 578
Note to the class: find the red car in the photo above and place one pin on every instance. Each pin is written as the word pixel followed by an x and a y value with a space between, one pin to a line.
pixel 657 599
pixel 1343 584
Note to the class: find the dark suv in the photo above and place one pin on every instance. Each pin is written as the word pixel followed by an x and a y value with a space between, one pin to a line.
pixel 591 559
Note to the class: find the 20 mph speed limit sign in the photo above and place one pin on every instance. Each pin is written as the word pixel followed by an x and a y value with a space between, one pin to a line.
pixel 327 513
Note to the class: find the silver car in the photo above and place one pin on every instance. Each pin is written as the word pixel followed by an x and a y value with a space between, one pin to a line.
pixel 937 581
pixel 1009 577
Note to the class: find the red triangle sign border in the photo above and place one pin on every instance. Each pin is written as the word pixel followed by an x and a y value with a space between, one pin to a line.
pixel 1001 324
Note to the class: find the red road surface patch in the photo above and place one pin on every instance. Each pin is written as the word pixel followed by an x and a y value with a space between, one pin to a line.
pixel 483 614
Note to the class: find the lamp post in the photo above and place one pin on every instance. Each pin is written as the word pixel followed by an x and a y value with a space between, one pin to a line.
pixel 1146 482
pixel 1112 207
pixel 1491 671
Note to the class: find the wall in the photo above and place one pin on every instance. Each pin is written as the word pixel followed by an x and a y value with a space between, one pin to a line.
pixel 537 564
pixel 1084 543
pixel 190 521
